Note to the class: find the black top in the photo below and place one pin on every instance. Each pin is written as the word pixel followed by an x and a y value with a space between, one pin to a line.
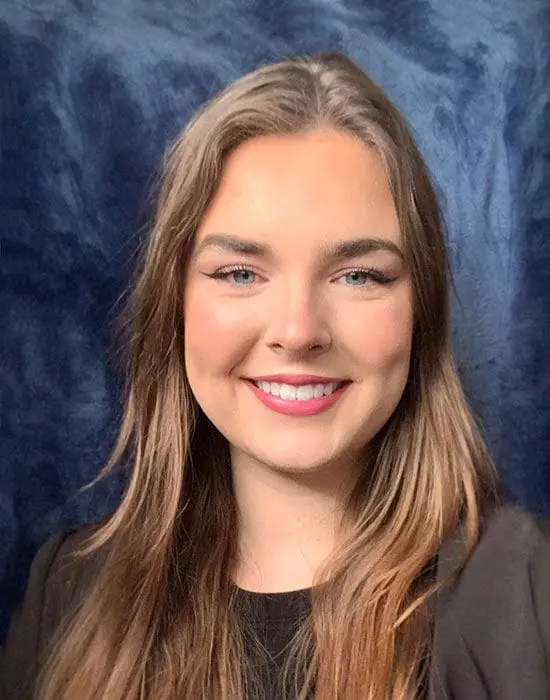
pixel 274 619
pixel 491 626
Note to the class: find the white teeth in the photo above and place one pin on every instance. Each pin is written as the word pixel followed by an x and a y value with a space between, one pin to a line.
pixel 304 393
pixel 288 392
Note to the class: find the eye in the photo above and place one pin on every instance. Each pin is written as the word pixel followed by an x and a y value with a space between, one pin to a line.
pixel 363 276
pixel 242 276
pixel 238 275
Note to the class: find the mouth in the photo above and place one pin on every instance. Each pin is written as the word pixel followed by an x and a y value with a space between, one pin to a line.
pixel 298 400
pixel 298 392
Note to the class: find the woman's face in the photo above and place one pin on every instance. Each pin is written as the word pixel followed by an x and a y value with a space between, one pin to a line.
pixel 298 308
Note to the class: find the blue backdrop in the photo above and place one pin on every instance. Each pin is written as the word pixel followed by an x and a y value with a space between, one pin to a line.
pixel 91 91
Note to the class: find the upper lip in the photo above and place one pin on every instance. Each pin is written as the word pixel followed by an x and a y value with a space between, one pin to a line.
pixel 297 379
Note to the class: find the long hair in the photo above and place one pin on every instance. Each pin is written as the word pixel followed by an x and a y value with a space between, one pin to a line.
pixel 160 620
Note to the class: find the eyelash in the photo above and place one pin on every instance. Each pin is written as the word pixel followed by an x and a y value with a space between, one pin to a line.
pixel 223 274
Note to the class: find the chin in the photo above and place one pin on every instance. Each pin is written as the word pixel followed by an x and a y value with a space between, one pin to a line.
pixel 299 463
pixel 299 468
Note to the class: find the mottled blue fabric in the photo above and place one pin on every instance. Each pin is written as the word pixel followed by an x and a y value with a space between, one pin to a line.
pixel 91 91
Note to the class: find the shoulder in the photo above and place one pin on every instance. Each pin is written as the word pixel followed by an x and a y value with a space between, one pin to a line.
pixel 512 531
pixel 62 575
pixel 56 582
pixel 511 561
pixel 56 572
pixel 512 543
pixel 56 553
pixel 492 622
pixel 513 526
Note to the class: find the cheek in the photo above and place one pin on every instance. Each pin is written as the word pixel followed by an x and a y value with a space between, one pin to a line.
pixel 215 335
pixel 384 337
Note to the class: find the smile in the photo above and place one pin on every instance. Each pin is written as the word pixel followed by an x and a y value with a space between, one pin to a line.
pixel 304 392
pixel 302 400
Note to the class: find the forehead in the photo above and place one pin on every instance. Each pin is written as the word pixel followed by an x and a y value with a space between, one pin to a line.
pixel 301 188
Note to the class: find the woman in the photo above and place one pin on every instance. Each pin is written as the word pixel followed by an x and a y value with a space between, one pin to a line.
pixel 310 508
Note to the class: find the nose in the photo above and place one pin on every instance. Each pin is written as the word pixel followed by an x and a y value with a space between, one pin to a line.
pixel 297 322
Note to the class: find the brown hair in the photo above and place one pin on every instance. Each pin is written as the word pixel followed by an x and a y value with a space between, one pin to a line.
pixel 159 620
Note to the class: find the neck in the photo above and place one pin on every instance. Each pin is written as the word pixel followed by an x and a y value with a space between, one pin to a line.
pixel 289 523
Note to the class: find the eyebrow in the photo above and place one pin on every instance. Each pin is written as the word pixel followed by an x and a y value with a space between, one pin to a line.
pixel 352 248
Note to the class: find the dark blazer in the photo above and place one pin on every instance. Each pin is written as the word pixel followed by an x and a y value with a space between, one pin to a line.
pixel 492 625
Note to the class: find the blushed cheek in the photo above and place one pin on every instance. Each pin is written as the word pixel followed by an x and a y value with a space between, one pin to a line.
pixel 215 337
pixel 386 338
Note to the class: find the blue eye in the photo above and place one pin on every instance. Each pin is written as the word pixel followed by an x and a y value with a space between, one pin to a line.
pixel 357 277
pixel 245 277
pixel 240 276
pixel 363 276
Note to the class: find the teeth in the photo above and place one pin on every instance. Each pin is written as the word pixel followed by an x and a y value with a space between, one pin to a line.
pixel 288 392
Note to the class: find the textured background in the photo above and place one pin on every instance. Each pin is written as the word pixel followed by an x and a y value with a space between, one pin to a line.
pixel 91 91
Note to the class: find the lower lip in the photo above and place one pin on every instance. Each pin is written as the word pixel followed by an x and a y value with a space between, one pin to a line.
pixel 307 407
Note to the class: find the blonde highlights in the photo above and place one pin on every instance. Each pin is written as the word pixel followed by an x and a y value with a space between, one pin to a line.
pixel 159 620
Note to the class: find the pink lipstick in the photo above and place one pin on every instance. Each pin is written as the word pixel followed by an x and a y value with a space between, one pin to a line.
pixel 298 407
